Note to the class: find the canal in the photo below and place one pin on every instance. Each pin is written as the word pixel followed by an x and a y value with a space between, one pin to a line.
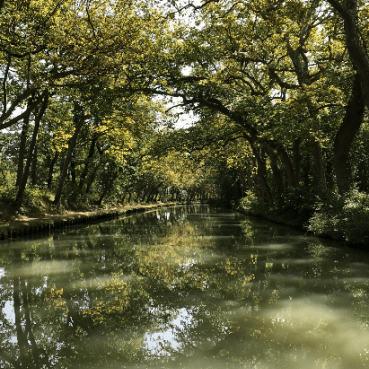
pixel 183 287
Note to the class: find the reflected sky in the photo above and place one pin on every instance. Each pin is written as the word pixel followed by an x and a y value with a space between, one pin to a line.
pixel 183 287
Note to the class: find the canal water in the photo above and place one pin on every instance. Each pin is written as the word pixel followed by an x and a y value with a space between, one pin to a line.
pixel 183 287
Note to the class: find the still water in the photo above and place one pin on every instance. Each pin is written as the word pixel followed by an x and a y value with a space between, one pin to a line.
pixel 183 287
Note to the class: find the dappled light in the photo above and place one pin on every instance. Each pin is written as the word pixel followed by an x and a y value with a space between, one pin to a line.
pixel 183 287
pixel 184 126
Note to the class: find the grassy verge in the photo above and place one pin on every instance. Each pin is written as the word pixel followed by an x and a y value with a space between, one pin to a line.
pixel 22 225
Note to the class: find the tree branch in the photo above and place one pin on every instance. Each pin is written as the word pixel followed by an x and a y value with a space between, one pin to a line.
pixel 274 76
pixel 22 115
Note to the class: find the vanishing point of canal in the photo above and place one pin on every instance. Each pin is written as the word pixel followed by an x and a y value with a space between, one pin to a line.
pixel 183 287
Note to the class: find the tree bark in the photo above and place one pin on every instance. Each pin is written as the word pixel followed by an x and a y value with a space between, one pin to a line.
pixel 288 166
pixel 90 181
pixel 349 127
pixel 358 55
pixel 67 160
pixel 24 178
pixel 319 168
pixel 87 163
pixel 107 189
pixel 146 193
pixel 22 148
pixel 241 176
pixel 73 169
pixel 34 166
pixel 297 158
pixel 262 172
pixel 140 188
pixel 51 169
pixel 277 175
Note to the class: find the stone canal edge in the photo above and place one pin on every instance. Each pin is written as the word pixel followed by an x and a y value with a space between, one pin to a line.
pixel 31 226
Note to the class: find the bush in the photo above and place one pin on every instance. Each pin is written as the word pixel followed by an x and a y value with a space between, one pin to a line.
pixel 344 218
pixel 294 211
pixel 254 205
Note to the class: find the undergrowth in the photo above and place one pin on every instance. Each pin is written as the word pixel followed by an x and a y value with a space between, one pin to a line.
pixel 344 218
pixel 293 210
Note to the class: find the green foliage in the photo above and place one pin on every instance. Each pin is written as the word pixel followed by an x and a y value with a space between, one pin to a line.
pixel 37 201
pixel 268 84
pixel 227 187
pixel 344 218
pixel 254 205
pixel 7 180
pixel 295 209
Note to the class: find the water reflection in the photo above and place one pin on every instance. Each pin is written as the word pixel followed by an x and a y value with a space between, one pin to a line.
pixel 186 287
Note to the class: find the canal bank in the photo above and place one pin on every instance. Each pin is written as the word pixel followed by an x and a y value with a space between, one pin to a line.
pixel 27 226
pixel 348 230
pixel 183 287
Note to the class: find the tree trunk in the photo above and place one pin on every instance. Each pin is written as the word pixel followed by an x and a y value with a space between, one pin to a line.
pixel 51 169
pixel 140 188
pixel 318 156
pixel 146 194
pixel 73 169
pixel 107 189
pixel 319 168
pixel 342 144
pixel 68 158
pixel 355 46
pixel 87 163
pixel 297 158
pixel 256 181
pixel 277 175
pixel 241 176
pixel 22 148
pixel 288 166
pixel 90 181
pixel 24 178
pixel 262 172
pixel 34 167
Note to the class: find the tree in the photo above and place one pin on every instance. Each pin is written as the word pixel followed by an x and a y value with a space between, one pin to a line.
pixel 354 16
pixel 31 151
pixel 267 66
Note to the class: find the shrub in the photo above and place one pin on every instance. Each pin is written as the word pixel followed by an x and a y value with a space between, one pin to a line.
pixel 345 218
pixel 253 204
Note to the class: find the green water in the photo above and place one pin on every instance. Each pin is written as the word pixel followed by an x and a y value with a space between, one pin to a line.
pixel 183 287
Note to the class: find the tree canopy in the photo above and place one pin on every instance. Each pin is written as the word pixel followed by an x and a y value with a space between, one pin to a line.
pixel 91 91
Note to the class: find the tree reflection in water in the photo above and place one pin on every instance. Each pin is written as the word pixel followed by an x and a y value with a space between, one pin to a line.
pixel 186 287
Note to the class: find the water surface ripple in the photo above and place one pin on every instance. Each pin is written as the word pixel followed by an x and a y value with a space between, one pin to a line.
pixel 183 287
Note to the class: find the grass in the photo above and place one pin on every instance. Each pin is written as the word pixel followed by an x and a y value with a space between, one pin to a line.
pixel 43 216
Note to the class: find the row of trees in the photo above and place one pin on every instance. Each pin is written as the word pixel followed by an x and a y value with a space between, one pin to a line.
pixel 290 78
pixel 279 90
pixel 74 123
